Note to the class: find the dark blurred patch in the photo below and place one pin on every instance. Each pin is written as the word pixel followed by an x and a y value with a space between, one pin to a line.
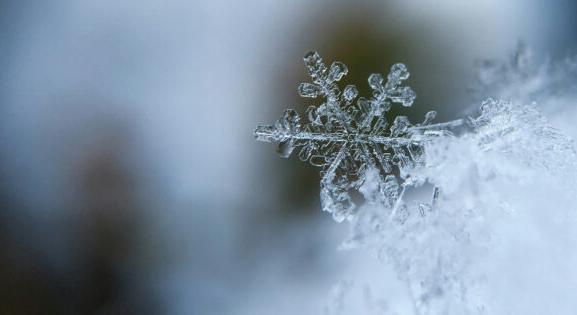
pixel 101 235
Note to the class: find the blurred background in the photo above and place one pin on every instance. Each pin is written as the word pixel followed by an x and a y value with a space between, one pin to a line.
pixel 131 181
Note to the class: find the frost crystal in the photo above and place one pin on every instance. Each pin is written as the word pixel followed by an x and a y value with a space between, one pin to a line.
pixel 513 130
pixel 348 139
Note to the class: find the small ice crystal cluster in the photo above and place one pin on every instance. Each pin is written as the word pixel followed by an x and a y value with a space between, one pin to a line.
pixel 348 139
pixel 526 137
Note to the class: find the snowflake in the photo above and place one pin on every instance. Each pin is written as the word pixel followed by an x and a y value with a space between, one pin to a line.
pixel 348 139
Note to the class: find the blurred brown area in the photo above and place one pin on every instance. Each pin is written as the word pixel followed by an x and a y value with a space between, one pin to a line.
pixel 103 243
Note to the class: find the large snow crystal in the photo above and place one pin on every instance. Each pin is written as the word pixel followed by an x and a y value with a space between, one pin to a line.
pixel 347 139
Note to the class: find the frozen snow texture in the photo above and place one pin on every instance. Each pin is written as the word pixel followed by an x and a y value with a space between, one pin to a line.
pixel 347 139
pixel 336 298
pixel 524 135
pixel 498 236
pixel 510 163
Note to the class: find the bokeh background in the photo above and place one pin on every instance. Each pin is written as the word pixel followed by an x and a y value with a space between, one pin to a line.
pixel 131 182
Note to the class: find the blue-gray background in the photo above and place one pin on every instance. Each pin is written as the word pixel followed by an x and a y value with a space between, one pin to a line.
pixel 131 182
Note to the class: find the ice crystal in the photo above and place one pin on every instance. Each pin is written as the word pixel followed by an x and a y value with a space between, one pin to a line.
pixel 347 139
pixel 514 130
